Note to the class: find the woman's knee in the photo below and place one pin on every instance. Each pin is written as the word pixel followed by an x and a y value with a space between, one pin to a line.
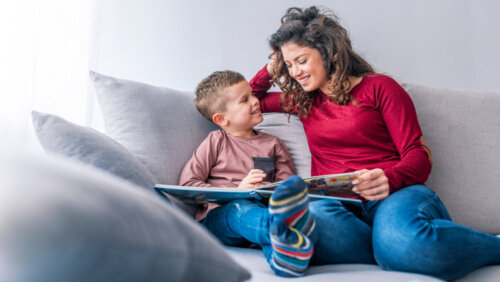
pixel 403 235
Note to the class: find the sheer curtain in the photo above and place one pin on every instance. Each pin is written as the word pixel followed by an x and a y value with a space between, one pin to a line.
pixel 46 50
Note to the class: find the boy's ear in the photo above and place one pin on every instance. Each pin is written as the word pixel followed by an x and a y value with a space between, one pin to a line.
pixel 219 119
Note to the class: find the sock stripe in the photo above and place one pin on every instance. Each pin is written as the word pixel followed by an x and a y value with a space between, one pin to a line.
pixel 311 229
pixel 308 225
pixel 294 261
pixel 301 222
pixel 292 220
pixel 288 200
pixel 302 256
pixel 273 209
pixel 289 248
pixel 285 270
pixel 289 263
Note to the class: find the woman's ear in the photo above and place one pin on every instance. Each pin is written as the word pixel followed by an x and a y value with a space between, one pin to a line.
pixel 219 119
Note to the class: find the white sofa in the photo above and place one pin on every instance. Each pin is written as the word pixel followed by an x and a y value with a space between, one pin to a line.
pixel 152 131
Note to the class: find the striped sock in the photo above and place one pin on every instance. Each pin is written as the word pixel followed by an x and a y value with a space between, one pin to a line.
pixel 292 250
pixel 289 203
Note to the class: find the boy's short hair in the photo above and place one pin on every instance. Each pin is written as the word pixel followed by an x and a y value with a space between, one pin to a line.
pixel 209 93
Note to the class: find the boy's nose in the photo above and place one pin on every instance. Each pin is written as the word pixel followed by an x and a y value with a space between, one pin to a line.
pixel 255 101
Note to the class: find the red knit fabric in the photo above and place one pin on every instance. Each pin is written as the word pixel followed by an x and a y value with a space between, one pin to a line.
pixel 380 131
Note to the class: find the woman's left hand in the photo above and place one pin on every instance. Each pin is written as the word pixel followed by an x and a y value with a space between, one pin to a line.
pixel 373 185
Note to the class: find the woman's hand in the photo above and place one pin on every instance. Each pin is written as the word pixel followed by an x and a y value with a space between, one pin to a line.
pixel 373 185
pixel 253 179
pixel 271 65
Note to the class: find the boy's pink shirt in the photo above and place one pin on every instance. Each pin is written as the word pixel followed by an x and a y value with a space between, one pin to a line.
pixel 223 160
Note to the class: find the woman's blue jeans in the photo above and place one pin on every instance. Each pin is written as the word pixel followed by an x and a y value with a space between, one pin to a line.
pixel 408 231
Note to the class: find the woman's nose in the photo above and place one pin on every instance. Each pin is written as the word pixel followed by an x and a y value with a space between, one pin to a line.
pixel 294 71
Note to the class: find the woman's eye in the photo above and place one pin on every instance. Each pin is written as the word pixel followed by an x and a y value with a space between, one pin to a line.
pixel 302 62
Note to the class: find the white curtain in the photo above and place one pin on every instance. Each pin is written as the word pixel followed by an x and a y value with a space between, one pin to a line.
pixel 46 50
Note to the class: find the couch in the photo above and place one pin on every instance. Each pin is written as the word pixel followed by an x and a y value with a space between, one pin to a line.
pixel 87 210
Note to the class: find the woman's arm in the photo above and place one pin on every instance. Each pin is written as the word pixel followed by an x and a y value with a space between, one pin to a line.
pixel 269 101
pixel 399 115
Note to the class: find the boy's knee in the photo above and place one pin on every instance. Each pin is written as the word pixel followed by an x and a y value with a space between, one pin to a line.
pixel 241 206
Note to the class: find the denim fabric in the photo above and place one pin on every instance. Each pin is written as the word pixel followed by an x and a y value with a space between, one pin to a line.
pixel 241 222
pixel 413 232
pixel 408 231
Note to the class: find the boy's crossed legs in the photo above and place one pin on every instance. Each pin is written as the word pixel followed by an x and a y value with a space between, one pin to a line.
pixel 282 226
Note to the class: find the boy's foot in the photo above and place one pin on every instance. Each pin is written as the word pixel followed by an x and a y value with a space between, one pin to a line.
pixel 292 250
pixel 289 203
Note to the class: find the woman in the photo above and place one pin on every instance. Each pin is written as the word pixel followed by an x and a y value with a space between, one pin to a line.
pixel 356 120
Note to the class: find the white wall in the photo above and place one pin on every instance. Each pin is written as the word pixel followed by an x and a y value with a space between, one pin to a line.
pixel 443 43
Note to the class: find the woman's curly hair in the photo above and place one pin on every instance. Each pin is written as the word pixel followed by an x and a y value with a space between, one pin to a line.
pixel 319 30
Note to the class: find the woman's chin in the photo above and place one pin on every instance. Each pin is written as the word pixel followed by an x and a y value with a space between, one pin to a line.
pixel 308 88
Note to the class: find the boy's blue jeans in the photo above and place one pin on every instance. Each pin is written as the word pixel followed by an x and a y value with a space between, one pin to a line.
pixel 408 231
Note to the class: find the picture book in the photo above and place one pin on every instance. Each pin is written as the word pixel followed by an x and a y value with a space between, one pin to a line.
pixel 333 186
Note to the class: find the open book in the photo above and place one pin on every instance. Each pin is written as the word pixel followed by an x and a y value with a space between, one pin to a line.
pixel 333 186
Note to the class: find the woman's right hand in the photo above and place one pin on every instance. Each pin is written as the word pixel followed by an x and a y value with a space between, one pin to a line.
pixel 373 185
pixel 253 179
pixel 271 65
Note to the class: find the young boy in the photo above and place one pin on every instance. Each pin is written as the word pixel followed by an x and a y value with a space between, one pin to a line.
pixel 239 156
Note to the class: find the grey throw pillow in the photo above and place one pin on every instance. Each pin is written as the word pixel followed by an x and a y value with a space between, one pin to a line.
pixel 292 133
pixel 57 135
pixel 63 221
pixel 159 126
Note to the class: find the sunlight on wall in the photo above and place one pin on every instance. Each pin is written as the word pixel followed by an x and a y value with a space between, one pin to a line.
pixel 46 50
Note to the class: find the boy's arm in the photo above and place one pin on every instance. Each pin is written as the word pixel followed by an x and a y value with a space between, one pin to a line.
pixel 284 163
pixel 197 169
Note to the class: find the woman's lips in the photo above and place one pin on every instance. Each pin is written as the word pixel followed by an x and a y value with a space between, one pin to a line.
pixel 303 80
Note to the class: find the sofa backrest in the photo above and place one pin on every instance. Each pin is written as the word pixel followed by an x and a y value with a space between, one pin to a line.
pixel 161 127
pixel 462 129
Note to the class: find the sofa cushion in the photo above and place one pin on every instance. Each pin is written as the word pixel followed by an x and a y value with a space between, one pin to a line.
pixel 159 126
pixel 57 135
pixel 255 261
pixel 462 129
pixel 293 135
pixel 63 221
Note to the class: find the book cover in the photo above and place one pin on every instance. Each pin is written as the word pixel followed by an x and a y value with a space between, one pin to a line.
pixel 333 186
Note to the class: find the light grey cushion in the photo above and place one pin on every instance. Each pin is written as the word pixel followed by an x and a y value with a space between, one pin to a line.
pixel 292 133
pixel 57 135
pixel 159 126
pixel 462 129
pixel 63 221
pixel 255 261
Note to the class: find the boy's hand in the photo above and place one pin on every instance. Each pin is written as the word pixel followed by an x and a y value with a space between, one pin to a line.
pixel 253 179
pixel 373 185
